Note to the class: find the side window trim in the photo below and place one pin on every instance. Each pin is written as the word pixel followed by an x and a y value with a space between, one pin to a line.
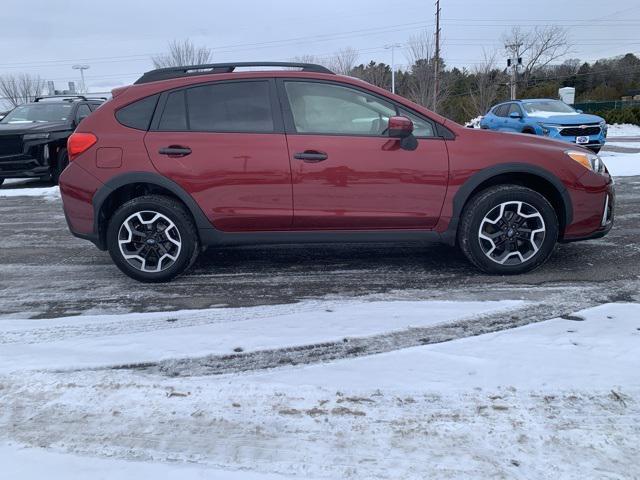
pixel 278 127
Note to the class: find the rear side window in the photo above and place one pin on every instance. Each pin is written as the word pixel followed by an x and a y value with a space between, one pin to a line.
pixel 138 114
pixel 501 110
pixel 225 107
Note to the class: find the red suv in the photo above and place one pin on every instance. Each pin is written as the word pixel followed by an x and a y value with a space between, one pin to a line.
pixel 206 155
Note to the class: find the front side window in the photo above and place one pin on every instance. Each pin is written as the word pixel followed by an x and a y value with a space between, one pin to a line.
pixel 515 108
pixel 421 128
pixel 327 109
pixel 83 111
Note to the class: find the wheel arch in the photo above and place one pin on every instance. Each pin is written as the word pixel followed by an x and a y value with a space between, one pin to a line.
pixel 123 188
pixel 526 175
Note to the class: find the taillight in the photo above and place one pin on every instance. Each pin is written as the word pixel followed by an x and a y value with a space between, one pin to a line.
pixel 80 142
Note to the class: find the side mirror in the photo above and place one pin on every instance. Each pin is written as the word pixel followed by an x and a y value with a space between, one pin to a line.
pixel 515 115
pixel 400 127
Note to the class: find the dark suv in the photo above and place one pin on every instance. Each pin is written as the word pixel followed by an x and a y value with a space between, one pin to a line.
pixel 33 136
pixel 204 155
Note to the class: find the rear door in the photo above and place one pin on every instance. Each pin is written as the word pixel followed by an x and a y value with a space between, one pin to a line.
pixel 224 143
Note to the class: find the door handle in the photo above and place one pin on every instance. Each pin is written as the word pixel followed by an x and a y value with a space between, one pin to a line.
pixel 311 156
pixel 175 151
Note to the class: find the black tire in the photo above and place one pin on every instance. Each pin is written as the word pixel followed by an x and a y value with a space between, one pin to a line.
pixel 483 205
pixel 529 131
pixel 62 160
pixel 187 235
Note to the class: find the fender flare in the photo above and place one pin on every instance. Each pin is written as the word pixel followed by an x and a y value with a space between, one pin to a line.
pixel 113 184
pixel 466 190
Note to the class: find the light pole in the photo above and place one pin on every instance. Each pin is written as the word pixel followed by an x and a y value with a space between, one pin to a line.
pixel 393 47
pixel 82 68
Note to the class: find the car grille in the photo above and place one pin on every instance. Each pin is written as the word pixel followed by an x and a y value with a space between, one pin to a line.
pixel 577 131
pixel 10 144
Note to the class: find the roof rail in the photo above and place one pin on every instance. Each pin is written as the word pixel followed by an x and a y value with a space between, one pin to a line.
pixel 209 68
pixel 68 98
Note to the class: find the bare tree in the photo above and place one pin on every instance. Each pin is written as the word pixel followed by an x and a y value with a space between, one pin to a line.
pixel 420 54
pixel 537 47
pixel 343 61
pixel 483 91
pixel 182 52
pixel 21 88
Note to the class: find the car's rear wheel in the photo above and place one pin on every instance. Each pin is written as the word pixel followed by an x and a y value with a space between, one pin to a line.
pixel 508 229
pixel 152 238
pixel 62 160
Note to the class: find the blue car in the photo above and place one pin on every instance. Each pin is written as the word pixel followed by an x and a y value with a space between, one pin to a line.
pixel 550 118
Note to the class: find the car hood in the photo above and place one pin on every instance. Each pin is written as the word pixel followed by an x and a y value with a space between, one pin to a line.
pixel 570 119
pixel 21 128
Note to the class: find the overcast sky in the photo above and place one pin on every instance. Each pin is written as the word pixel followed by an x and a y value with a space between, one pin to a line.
pixel 117 38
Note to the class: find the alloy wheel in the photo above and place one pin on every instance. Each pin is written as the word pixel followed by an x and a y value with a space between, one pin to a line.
pixel 149 241
pixel 511 233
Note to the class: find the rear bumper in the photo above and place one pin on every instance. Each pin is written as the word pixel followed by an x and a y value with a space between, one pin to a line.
pixel 77 188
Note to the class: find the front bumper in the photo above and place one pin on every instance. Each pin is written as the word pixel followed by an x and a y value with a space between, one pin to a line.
pixel 33 161
pixel 596 215
pixel 595 141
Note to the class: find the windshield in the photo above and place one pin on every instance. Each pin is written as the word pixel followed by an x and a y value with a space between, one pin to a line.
pixel 554 107
pixel 38 113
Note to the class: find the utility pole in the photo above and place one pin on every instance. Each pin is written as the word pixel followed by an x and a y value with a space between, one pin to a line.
pixel 393 46
pixel 514 62
pixel 82 68
pixel 436 62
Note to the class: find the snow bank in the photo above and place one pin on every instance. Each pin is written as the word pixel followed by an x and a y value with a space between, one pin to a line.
pixel 623 130
pixel 21 188
pixel 474 122
pixel 621 164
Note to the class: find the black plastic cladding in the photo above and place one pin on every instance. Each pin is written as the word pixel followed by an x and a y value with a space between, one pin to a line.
pixel 209 68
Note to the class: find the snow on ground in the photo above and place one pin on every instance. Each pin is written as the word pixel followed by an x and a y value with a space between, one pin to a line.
pixel 621 164
pixel 623 130
pixel 20 463
pixel 86 341
pixel 556 399
pixel 24 188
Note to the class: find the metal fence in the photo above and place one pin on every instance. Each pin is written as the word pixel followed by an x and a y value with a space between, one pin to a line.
pixel 590 107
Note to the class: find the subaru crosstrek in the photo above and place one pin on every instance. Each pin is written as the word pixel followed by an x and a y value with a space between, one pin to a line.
pixel 207 155
pixel 549 118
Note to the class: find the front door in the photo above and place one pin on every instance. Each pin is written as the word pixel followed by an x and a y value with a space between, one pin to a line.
pixel 224 144
pixel 347 173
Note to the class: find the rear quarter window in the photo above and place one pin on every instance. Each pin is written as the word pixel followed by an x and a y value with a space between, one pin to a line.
pixel 138 114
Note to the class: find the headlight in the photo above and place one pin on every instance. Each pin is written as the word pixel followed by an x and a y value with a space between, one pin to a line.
pixel 588 160
pixel 35 136
pixel 547 127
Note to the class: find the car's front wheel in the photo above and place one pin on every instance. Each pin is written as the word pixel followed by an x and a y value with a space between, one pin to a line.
pixel 508 229
pixel 152 238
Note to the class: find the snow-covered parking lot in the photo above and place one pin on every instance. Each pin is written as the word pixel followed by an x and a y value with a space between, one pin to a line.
pixel 317 362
